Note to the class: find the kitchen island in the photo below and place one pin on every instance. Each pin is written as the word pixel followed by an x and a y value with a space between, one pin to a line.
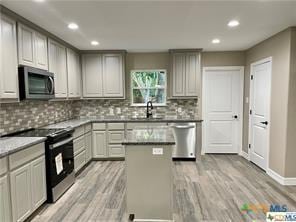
pixel 148 155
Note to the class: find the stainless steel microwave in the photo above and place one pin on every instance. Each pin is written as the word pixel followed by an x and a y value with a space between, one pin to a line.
pixel 35 83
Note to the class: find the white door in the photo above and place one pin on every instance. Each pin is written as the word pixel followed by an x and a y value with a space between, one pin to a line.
pixel 259 112
pixel 41 51
pixel 222 109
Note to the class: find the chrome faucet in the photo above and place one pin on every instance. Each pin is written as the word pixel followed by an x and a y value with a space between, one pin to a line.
pixel 149 109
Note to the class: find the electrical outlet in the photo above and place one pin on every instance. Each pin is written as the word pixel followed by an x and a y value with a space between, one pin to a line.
pixel 157 151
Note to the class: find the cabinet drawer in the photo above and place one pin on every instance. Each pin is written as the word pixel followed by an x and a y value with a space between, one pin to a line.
pixel 116 126
pixel 78 145
pixel 116 136
pixel 99 126
pixel 87 128
pixel 26 155
pixel 116 150
pixel 3 165
pixel 79 161
pixel 78 132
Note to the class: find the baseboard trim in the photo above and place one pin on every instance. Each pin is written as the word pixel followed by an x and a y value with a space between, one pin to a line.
pixel 245 155
pixel 286 181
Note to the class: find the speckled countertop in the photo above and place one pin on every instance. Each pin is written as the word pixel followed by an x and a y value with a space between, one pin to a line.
pixel 79 122
pixel 9 145
pixel 150 136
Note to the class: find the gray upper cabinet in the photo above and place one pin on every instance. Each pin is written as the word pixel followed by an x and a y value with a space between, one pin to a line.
pixel 103 75
pixel 186 77
pixel 32 48
pixel 113 75
pixel 74 74
pixel 179 72
pixel 58 65
pixel 92 75
pixel 8 69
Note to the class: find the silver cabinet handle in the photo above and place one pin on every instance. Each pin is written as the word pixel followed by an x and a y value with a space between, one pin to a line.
pixel 183 127
pixel 62 142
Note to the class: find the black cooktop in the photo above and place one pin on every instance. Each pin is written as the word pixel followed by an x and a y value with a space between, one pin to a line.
pixel 41 132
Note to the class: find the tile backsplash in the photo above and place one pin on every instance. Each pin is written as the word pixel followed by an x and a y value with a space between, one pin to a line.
pixel 29 114
pixel 122 108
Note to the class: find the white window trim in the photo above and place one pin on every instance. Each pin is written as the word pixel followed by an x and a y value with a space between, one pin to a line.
pixel 150 70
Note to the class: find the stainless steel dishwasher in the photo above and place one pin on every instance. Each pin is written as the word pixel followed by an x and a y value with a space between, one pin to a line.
pixel 185 137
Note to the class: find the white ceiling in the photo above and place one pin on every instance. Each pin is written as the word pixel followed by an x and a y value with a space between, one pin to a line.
pixel 159 25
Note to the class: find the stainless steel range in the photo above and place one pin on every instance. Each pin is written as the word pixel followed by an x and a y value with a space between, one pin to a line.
pixel 59 159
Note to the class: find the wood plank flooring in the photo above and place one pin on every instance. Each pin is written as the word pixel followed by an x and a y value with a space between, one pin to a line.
pixel 214 188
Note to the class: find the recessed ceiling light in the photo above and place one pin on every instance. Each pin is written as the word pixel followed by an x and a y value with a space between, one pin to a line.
pixel 39 0
pixel 216 41
pixel 73 26
pixel 95 43
pixel 233 23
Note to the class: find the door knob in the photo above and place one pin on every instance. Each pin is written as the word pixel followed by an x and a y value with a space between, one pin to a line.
pixel 265 123
pixel 235 117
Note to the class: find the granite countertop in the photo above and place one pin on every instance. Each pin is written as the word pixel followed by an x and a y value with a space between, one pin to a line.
pixel 9 145
pixel 150 136
pixel 82 121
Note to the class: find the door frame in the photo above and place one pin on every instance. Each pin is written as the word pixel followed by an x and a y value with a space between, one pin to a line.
pixel 265 60
pixel 241 103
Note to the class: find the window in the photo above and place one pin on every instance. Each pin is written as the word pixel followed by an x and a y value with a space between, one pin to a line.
pixel 148 85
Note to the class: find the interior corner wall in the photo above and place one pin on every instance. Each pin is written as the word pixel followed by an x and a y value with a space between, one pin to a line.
pixel 290 164
pixel 278 47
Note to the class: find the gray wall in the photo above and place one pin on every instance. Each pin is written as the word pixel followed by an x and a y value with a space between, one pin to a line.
pixel 277 47
pixel 290 170
pixel 230 58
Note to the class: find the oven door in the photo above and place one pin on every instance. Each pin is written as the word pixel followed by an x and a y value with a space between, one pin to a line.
pixel 60 161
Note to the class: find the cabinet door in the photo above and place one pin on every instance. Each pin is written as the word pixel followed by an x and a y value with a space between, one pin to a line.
pixel 21 196
pixel 88 147
pixel 192 73
pixel 58 66
pixel 41 51
pixel 71 73
pixel 179 69
pixel 73 67
pixel 99 144
pixel 78 75
pixel 92 75
pixel 8 69
pixel 113 79
pixel 4 200
pixel 26 50
pixel 38 182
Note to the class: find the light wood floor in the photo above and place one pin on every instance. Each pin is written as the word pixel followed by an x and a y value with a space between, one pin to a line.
pixel 213 188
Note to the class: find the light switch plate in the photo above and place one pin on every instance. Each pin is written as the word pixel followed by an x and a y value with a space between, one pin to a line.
pixel 157 151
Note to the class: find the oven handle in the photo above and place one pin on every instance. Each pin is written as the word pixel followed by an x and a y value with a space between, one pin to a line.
pixel 63 142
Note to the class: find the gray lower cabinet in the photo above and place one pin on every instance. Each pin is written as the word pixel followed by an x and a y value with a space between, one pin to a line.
pixel 88 147
pixel 115 139
pixel 82 146
pixel 79 161
pixel 4 199
pixel 38 182
pixel 99 144
pixel 21 193
pixel 27 181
